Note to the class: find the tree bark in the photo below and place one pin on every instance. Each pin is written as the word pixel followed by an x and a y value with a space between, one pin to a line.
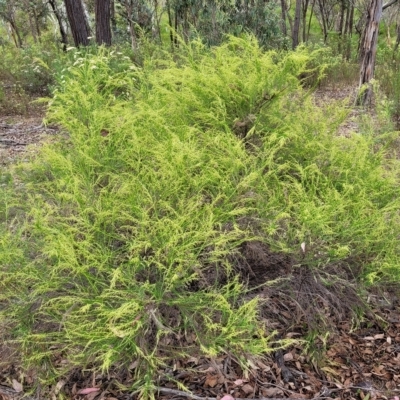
pixel 102 10
pixel 324 21
pixel 296 25
pixel 348 29
pixel 283 16
pixel 305 9
pixel 31 24
pixel 64 37
pixel 112 16
pixel 368 50
pixel 310 19
pixel 78 23
pixel 15 30
pixel 37 25
pixel 397 38
pixel 343 7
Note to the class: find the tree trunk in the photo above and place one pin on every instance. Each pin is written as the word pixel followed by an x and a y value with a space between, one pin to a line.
pixel 368 49
pixel 15 30
pixel 64 37
pixel 78 23
pixel 296 25
pixel 304 23
pixel 310 19
pixel 31 24
pixel 348 30
pixel 341 24
pixel 283 13
pixel 102 12
pixel 171 28
pixel 131 16
pixel 112 16
pixel 37 25
pixel 323 20
pixel 397 38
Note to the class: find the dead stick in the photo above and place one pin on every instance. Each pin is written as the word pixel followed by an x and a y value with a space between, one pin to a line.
pixel 194 397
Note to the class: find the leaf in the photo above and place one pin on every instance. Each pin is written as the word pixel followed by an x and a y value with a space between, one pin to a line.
pixel 211 381
pixel 88 390
pixel 272 392
pixel 17 386
pixel 227 397
pixel 247 388
pixel 288 356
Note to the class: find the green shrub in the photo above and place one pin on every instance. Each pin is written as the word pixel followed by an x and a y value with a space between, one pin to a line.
pixel 125 253
pixel 30 68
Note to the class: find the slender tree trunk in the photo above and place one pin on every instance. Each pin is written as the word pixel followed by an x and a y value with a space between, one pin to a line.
pixel 156 24
pixel 283 16
pixel 31 24
pixel 102 12
pixel 37 25
pixel 15 31
pixel 341 24
pixel 129 13
pixel 397 38
pixel 171 28
pixel 176 27
pixel 78 23
pixel 14 36
pixel 112 16
pixel 64 37
pixel 349 31
pixel 304 23
pixel 323 19
pixel 368 49
pixel 296 25
pixel 310 19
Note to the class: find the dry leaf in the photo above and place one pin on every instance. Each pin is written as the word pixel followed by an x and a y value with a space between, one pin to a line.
pixel 227 397
pixel 88 390
pixel 211 381
pixel 91 396
pixel 238 382
pixel 247 388
pixel 58 387
pixel 288 356
pixel 272 392
pixel 17 386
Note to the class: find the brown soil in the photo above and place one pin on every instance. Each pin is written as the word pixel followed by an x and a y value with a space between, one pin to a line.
pixel 352 342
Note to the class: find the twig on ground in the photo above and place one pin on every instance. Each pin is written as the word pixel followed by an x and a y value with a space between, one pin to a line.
pixel 11 393
pixel 195 397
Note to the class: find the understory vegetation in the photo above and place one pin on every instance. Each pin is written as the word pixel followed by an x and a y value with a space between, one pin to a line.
pixel 122 240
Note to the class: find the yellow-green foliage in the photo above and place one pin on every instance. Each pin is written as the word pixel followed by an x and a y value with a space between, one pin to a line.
pixel 130 218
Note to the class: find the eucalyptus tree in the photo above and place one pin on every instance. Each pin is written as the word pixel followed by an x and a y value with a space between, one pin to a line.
pixel 8 10
pixel 369 46
pixel 60 20
pixel 78 22
pixel 103 18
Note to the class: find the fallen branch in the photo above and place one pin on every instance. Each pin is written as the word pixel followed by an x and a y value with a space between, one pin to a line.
pixel 13 394
pixel 194 397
